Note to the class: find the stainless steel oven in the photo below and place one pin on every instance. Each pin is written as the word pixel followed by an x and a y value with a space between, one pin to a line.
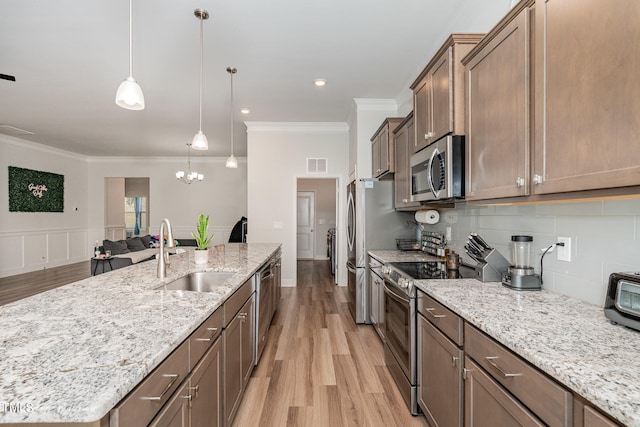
pixel 400 334
pixel 401 352
pixel 437 171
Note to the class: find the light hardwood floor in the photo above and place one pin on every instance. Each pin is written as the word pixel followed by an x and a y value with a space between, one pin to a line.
pixel 319 368
pixel 24 285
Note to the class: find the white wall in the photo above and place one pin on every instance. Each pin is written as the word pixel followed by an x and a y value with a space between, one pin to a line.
pixel 277 154
pixel 35 240
pixel 325 215
pixel 222 195
pixel 605 238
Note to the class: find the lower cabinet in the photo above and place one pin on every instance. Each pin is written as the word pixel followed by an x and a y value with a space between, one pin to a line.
pixel 199 401
pixel 488 404
pixel 440 388
pixel 239 341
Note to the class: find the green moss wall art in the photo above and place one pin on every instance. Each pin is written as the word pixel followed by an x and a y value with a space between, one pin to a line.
pixel 35 191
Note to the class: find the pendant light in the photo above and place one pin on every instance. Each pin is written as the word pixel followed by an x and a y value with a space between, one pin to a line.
pixel 129 94
pixel 188 176
pixel 200 140
pixel 232 162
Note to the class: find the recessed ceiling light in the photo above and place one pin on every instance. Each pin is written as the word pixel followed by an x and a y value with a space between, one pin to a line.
pixel 320 82
pixel 245 110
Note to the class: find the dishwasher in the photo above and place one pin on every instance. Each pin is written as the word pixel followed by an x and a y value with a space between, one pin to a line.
pixel 265 289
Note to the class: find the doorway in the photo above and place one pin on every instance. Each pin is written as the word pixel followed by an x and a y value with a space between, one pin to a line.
pixel 306 219
pixel 317 214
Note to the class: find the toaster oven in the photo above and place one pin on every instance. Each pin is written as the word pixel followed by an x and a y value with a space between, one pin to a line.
pixel 622 304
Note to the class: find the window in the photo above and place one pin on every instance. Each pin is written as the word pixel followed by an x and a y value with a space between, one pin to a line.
pixel 135 215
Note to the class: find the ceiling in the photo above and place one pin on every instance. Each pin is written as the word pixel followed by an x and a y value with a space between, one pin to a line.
pixel 68 58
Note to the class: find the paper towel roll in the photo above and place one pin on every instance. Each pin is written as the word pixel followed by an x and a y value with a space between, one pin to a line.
pixel 427 217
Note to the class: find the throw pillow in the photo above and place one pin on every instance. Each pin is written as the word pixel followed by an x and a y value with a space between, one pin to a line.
pixel 146 241
pixel 116 248
pixel 135 244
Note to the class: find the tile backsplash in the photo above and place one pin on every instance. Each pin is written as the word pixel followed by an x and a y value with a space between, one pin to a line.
pixel 604 239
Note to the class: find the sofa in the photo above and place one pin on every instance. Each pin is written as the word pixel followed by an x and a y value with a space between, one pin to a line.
pixel 128 252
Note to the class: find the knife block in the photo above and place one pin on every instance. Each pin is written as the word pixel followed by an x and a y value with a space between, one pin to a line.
pixel 491 266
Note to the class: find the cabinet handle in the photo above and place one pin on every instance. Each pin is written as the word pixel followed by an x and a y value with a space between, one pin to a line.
pixel 428 135
pixel 454 361
pixel 213 330
pixel 195 390
pixel 491 359
pixel 520 182
pixel 242 316
pixel 437 316
pixel 405 201
pixel 189 398
pixel 537 179
pixel 174 378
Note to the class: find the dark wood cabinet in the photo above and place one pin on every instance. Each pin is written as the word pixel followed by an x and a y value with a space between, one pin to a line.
pixel 487 404
pixel 438 92
pixel 206 389
pixel 440 387
pixel 587 126
pixel 498 110
pixel 403 137
pixel 382 149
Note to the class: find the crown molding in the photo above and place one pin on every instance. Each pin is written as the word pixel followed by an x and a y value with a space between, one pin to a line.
pixel 19 142
pixel 369 104
pixel 298 127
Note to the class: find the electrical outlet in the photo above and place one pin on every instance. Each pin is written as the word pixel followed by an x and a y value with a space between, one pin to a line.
pixel 564 252
pixel 448 234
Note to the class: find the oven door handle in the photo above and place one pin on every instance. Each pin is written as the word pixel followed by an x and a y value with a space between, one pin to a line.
pixel 395 295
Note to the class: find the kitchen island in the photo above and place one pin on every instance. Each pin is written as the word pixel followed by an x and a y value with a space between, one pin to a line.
pixel 71 354
pixel 570 340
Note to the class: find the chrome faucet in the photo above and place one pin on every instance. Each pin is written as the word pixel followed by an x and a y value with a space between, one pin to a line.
pixel 164 256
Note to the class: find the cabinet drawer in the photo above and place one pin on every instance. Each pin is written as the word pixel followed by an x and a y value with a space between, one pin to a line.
pixel 144 402
pixel 237 300
pixel 202 338
pixel 443 318
pixel 549 401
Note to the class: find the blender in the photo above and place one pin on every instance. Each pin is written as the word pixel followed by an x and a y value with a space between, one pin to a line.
pixel 520 275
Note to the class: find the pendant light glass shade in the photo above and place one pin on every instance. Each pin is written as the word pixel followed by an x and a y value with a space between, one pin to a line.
pixel 232 162
pixel 129 94
pixel 200 141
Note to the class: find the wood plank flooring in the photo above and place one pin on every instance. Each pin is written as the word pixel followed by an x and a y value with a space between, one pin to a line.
pixel 20 286
pixel 319 368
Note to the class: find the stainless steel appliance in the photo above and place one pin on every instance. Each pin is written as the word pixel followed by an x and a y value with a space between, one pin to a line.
pixel 520 275
pixel 401 350
pixel 622 303
pixel 372 223
pixel 331 249
pixel 437 171
pixel 268 288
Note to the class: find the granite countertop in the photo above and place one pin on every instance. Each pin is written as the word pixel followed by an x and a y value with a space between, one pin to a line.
pixel 570 340
pixel 69 355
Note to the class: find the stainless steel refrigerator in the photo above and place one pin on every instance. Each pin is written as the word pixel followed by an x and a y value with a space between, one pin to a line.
pixel 372 223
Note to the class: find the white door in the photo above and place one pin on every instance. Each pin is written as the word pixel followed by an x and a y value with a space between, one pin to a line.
pixel 306 213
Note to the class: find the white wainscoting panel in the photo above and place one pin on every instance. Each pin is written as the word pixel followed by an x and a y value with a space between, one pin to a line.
pixel 22 252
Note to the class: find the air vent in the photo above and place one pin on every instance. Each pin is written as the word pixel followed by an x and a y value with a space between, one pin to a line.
pixel 10 130
pixel 316 166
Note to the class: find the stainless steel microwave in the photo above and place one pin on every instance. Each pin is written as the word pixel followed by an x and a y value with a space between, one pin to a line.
pixel 437 171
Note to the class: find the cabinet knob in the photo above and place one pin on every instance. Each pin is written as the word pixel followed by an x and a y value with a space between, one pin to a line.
pixel 537 179
pixel 428 135
pixel 520 182
pixel 454 361
pixel 405 201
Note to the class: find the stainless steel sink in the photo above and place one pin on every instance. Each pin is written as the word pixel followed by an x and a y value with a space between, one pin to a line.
pixel 201 281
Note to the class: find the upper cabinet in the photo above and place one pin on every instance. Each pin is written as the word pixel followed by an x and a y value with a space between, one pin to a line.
pixel 382 148
pixel 403 137
pixel 552 102
pixel 587 92
pixel 498 132
pixel 438 92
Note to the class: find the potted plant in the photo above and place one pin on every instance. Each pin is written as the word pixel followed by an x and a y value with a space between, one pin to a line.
pixel 202 239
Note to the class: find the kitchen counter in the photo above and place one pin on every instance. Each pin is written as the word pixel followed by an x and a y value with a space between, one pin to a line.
pixel 572 341
pixel 69 355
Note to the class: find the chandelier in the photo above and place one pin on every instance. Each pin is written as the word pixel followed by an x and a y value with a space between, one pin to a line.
pixel 188 176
